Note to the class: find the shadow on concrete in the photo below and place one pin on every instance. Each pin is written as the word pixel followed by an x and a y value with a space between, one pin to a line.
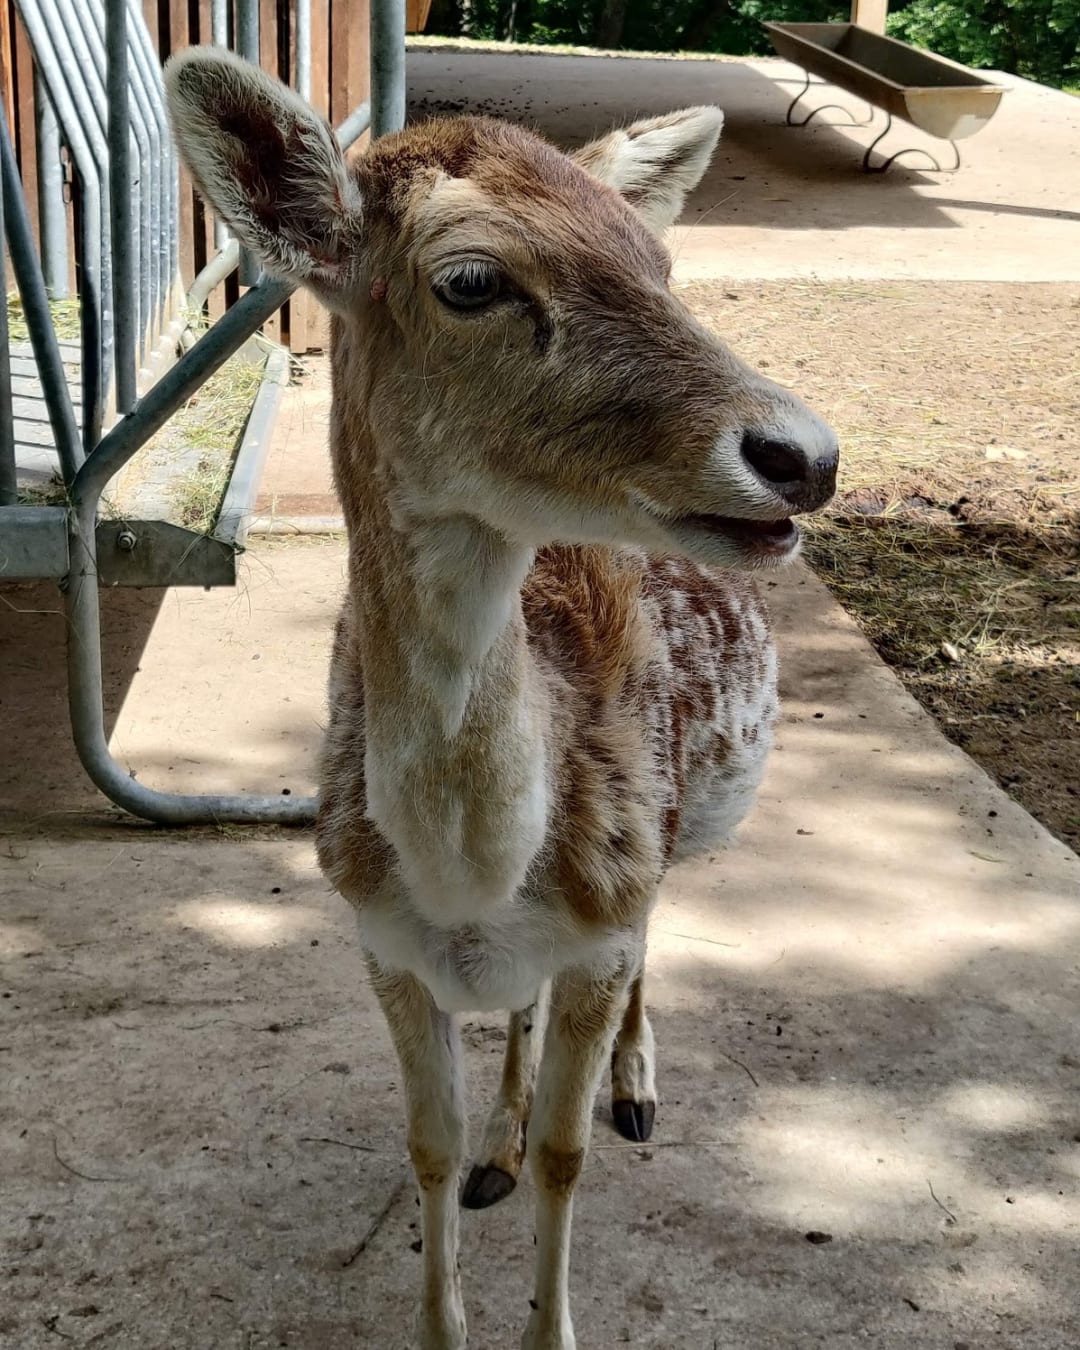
pixel 42 773
pixel 1007 209
pixel 200 1080
pixel 804 178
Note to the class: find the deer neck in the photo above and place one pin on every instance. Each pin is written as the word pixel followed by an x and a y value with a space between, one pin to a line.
pixel 456 759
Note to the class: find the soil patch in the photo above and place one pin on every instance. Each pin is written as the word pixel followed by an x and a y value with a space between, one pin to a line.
pixel 955 538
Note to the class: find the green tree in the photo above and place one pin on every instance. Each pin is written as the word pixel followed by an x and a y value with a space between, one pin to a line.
pixel 1039 39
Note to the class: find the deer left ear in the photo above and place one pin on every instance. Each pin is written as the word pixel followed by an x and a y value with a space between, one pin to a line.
pixel 270 168
pixel 655 163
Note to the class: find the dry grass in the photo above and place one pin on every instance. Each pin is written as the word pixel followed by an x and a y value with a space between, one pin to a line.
pixel 52 493
pixel 213 422
pixel 979 590
pixel 65 317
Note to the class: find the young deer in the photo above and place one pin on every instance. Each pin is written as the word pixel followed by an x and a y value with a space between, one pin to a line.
pixel 540 690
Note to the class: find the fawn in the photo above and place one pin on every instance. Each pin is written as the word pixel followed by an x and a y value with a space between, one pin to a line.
pixel 551 672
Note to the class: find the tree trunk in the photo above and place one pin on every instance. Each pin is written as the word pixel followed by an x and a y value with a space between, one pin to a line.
pixel 701 23
pixel 612 20
pixel 445 18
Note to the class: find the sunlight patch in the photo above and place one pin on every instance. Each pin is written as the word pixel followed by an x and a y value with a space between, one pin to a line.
pixel 243 923
pixel 992 1107
pixel 17 939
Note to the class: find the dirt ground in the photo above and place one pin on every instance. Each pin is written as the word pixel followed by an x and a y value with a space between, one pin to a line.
pixel 955 540
pixel 865 1016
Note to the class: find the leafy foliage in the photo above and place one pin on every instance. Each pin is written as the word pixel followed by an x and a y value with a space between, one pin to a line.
pixel 1039 39
pixel 1036 38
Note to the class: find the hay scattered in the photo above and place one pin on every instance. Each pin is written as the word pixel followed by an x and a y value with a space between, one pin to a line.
pixel 65 317
pixel 213 422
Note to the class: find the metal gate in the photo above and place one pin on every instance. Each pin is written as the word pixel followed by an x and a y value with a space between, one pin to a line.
pixel 103 81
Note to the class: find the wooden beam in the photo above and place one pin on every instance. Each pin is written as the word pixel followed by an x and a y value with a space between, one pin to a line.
pixel 870 14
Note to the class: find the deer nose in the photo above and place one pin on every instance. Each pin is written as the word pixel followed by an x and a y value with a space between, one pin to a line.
pixel 803 479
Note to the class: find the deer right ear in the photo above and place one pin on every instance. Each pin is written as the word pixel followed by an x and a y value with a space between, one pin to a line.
pixel 269 166
pixel 655 163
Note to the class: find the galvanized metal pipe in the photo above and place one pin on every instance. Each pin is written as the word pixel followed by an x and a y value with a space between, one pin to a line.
pixel 148 64
pixel 149 197
pixel 84 30
pixel 178 384
pixel 303 48
pixel 219 36
pixel 82 607
pixel 85 697
pixel 35 303
pixel 247 44
pixel 155 191
pixel 62 77
pixel 142 203
pixel 85 694
pixel 52 216
pixel 354 126
pixel 122 193
pixel 387 66
pixel 9 488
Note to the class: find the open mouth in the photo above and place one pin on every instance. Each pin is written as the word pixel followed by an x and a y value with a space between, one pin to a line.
pixel 772 537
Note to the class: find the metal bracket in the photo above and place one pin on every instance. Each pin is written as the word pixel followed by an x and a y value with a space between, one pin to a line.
pixel 158 553
pixel 855 122
pixel 867 167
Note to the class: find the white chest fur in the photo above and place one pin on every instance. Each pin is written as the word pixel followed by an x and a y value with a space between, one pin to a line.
pixel 498 963
pixel 455 763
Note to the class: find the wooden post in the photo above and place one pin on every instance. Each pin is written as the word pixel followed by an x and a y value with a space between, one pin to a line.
pixel 307 321
pixel 25 119
pixel 870 14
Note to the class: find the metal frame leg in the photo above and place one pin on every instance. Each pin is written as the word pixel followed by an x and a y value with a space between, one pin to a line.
pixel 88 476
pixel 81 586
pixel 839 107
pixel 52 223
pixel 868 167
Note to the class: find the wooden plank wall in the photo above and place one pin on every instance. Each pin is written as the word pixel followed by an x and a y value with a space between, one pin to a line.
pixel 339 51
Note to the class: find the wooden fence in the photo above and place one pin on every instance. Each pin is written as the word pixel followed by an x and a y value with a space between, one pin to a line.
pixel 339 81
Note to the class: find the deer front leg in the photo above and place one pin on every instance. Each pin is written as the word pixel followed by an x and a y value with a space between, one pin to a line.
pixel 502 1150
pixel 633 1069
pixel 585 1010
pixel 429 1050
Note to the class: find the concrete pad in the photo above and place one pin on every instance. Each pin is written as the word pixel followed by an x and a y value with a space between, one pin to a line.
pixel 872 996
pixel 298 480
pixel 784 201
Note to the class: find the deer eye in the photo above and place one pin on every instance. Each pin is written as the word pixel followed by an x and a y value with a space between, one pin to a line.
pixel 470 285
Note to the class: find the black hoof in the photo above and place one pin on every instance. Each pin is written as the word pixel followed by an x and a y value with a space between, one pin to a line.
pixel 634 1120
pixel 486 1186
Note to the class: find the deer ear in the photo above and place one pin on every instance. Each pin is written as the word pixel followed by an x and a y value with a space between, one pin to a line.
pixel 655 163
pixel 269 166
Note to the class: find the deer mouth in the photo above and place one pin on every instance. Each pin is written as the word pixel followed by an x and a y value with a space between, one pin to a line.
pixel 771 538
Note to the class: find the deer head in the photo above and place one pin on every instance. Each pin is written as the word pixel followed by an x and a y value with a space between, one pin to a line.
pixel 514 348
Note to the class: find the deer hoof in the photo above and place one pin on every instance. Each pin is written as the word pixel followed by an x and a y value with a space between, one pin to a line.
pixel 634 1120
pixel 486 1186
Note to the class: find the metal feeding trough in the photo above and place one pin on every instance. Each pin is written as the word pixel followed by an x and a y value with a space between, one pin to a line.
pixel 940 97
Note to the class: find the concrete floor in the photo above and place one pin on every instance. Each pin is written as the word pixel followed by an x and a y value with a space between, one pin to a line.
pixel 866 1013
pixel 875 993
pixel 784 201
